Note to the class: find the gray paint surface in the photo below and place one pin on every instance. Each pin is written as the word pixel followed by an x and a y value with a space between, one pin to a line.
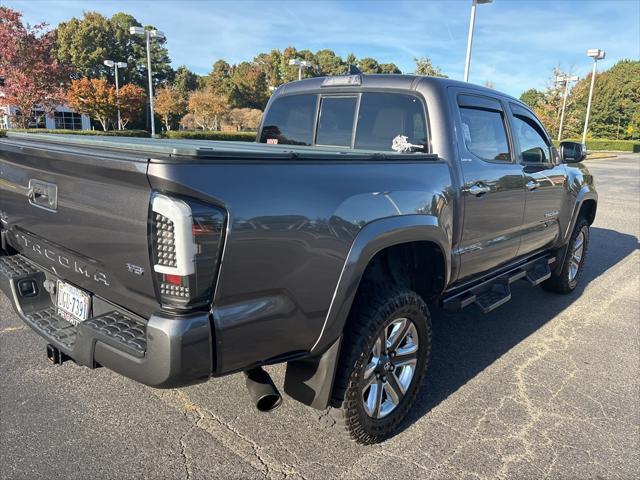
pixel 547 385
pixel 293 216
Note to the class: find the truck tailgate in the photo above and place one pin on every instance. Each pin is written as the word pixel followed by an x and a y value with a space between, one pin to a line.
pixel 82 216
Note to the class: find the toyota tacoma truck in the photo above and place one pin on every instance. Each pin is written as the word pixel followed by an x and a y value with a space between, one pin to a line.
pixel 364 200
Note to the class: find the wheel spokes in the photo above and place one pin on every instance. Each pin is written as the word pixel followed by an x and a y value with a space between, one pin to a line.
pixel 397 333
pixel 374 399
pixel 394 389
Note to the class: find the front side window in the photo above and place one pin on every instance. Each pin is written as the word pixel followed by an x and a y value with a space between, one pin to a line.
pixel 384 116
pixel 484 133
pixel 289 121
pixel 533 146
pixel 335 124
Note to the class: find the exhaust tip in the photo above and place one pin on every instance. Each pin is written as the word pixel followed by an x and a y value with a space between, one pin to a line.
pixel 262 390
pixel 269 402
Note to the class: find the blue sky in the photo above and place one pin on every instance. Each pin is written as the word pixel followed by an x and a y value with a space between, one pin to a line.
pixel 516 42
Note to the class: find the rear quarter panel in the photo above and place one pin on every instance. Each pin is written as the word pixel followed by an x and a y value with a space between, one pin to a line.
pixel 291 226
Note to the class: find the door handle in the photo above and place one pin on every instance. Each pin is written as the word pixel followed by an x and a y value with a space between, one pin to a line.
pixel 478 189
pixel 532 185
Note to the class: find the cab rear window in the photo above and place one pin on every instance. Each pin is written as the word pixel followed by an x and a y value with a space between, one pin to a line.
pixel 290 120
pixel 378 118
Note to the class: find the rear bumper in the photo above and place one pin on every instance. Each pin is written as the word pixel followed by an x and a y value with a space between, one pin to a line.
pixel 162 352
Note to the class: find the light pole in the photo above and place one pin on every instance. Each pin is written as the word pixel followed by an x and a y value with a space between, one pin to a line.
pixel 566 81
pixel 115 66
pixel 472 22
pixel 300 64
pixel 149 34
pixel 596 54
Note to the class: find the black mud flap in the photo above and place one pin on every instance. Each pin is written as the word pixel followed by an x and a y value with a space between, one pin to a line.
pixel 310 380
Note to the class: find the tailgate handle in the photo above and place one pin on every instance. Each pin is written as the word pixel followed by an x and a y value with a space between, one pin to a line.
pixel 43 195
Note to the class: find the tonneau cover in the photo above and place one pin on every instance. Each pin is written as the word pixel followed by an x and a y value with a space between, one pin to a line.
pixel 189 148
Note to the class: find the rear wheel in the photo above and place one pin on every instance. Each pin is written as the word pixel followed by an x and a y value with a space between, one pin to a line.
pixel 383 362
pixel 566 280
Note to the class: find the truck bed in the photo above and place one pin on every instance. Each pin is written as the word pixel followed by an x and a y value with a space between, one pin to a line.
pixel 169 150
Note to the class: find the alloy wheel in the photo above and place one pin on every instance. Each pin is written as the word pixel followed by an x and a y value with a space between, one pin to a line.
pixel 391 367
pixel 576 256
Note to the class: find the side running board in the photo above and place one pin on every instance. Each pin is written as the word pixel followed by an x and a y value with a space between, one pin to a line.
pixel 494 292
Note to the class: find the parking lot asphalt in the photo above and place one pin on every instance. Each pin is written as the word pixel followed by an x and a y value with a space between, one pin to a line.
pixel 547 386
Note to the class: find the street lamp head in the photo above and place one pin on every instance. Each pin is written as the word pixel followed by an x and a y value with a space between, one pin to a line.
pixel 157 34
pixel 306 64
pixel 121 64
pixel 480 2
pixel 596 53
pixel 136 31
pixel 109 63
pixel 294 61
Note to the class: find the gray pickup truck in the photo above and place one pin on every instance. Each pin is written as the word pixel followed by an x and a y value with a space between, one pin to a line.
pixel 365 199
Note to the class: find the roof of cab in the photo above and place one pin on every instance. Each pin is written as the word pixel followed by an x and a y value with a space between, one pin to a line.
pixel 383 81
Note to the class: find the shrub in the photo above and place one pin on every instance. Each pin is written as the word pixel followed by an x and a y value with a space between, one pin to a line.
pixel 205 135
pixel 604 145
pixel 108 133
pixel 3 133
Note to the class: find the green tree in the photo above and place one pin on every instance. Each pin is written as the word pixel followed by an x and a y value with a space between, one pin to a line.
pixel 368 65
pixel 185 81
pixel 532 97
pixel 269 64
pixel 389 68
pixel 424 66
pixel 616 101
pixel 219 78
pixel 85 43
pixel 329 63
pixel 248 87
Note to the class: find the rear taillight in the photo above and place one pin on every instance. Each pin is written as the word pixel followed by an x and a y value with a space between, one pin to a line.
pixel 186 237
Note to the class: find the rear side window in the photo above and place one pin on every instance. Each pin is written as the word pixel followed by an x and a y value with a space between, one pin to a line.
pixel 384 116
pixel 484 133
pixel 335 125
pixel 289 121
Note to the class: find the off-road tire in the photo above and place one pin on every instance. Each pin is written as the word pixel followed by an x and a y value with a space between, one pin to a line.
pixel 374 307
pixel 561 282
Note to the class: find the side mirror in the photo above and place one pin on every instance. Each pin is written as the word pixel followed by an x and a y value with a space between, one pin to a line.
pixel 572 152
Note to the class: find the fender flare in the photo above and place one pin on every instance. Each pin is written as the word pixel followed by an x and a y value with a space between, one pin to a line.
pixel 310 380
pixel 587 192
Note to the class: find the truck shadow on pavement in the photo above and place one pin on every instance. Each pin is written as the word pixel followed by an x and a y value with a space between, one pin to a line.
pixel 467 342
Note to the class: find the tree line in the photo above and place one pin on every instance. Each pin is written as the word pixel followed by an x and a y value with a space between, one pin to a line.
pixel 615 111
pixel 42 68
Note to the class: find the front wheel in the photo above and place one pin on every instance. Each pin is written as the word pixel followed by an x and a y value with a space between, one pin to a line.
pixel 566 280
pixel 383 362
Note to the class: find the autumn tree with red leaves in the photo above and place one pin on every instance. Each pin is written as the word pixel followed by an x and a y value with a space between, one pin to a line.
pixel 33 78
pixel 133 101
pixel 95 98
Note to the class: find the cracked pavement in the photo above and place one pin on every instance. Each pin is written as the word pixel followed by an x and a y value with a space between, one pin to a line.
pixel 547 386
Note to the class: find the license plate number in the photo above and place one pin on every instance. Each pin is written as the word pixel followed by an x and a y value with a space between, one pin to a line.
pixel 73 304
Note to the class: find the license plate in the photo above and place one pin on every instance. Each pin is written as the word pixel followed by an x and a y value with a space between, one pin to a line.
pixel 73 304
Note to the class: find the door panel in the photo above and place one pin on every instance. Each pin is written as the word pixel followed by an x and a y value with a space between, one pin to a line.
pixel 545 181
pixel 493 189
pixel 542 206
